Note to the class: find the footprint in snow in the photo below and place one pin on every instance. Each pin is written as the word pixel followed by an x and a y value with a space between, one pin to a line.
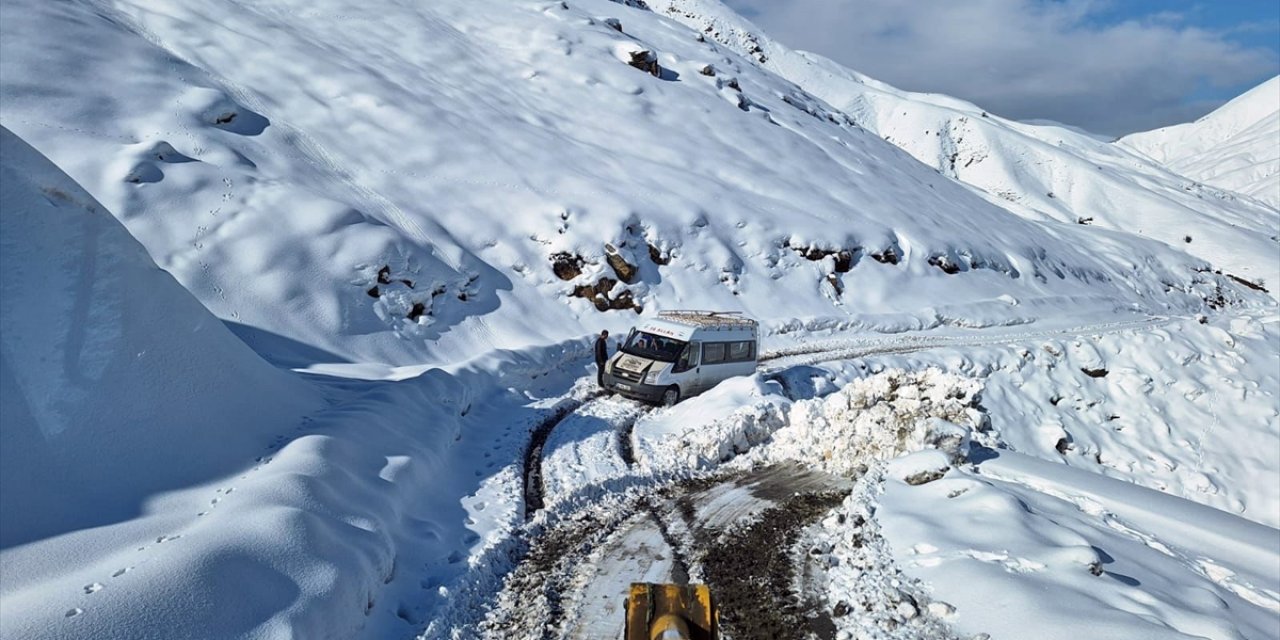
pixel 93 588
pixel 73 612
pixel 120 572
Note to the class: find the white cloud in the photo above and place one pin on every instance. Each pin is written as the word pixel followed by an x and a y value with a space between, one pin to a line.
pixel 1024 59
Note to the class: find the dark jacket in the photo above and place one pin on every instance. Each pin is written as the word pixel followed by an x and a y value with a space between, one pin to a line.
pixel 602 350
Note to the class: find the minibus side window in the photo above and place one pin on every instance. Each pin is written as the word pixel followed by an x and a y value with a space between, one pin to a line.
pixel 713 352
pixel 740 351
pixel 688 358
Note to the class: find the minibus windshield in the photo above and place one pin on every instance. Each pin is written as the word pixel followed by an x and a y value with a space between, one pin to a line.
pixel 654 347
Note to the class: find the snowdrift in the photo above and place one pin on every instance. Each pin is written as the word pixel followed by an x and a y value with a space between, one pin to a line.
pixel 117 388
pixel 117 383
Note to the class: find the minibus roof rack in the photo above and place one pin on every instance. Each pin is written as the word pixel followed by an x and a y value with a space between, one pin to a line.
pixel 708 319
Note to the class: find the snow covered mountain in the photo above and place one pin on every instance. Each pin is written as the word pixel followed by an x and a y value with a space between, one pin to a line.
pixel 1040 172
pixel 435 208
pixel 1236 147
pixel 402 220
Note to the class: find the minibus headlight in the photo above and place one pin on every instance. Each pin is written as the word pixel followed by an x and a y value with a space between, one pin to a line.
pixel 652 377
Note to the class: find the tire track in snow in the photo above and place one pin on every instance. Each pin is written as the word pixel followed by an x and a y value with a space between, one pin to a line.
pixel 533 478
pixel 832 351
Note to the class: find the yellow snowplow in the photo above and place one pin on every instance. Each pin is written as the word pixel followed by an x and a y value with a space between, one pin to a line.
pixel 671 612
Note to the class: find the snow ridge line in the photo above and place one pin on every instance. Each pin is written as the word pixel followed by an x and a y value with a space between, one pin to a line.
pixel 827 352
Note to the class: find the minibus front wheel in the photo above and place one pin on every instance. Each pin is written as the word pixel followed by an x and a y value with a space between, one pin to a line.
pixel 670 396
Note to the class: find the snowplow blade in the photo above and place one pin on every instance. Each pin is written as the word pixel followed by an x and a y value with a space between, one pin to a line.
pixel 671 612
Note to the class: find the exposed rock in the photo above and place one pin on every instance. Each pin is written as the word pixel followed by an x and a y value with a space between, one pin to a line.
pixel 566 266
pixel 1095 373
pixel 888 256
pixel 374 292
pixel 625 271
pixel 598 294
pixel 614 24
pixel 708 70
pixel 1083 220
pixel 835 283
pixel 843 257
pixel 944 263
pixel 417 311
pixel 1252 285
pixel 647 61
pixel 384 275
pixel 924 477
pixel 657 256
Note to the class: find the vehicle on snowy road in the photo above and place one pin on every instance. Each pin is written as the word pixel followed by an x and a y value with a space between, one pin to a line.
pixel 679 354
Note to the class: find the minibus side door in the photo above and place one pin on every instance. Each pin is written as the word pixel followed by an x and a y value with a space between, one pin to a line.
pixel 690 370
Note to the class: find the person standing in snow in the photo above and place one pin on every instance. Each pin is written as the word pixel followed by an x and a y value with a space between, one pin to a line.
pixel 602 355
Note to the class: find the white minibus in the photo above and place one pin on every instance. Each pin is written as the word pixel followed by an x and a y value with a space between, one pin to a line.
pixel 682 353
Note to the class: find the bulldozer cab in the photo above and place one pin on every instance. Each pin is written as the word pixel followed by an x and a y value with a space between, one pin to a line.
pixel 671 612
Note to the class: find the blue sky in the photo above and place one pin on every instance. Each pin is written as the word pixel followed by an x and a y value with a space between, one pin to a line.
pixel 1248 23
pixel 1110 66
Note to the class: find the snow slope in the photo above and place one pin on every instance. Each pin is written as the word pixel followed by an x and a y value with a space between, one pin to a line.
pixel 461 145
pixel 1039 172
pixel 107 367
pixel 1236 147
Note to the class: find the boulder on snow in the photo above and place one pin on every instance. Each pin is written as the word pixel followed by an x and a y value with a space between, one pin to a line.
pixel 566 266
pixel 647 61
pixel 888 256
pixel 658 256
pixel 600 295
pixel 626 271
pixel 921 467
pixel 948 437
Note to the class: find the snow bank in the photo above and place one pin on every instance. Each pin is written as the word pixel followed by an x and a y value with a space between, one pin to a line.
pixel 1186 408
pixel 710 429
pixel 117 389
pixel 1011 546
pixel 1041 550
pixel 117 384
pixel 880 417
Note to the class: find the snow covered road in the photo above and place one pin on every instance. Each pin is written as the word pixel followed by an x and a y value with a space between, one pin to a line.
pixel 733 532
